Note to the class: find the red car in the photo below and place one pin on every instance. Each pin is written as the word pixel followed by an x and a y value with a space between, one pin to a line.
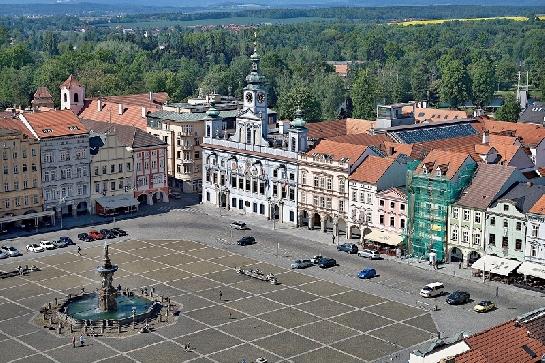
pixel 96 235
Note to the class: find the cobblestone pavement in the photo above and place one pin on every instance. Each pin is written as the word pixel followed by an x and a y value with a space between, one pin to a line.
pixel 398 281
pixel 225 317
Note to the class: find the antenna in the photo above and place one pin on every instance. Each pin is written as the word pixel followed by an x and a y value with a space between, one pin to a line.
pixel 518 86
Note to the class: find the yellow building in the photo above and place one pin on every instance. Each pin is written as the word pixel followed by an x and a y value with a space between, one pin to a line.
pixel 20 175
pixel 111 168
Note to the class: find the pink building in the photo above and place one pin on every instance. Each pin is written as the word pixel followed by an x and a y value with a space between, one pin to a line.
pixel 391 214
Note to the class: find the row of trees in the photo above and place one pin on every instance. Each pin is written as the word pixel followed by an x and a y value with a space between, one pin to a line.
pixel 450 63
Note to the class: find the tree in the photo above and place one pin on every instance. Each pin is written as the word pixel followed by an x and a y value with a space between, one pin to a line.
pixel 483 82
pixel 364 96
pixel 299 96
pixel 419 81
pixel 509 111
pixel 330 92
pixel 454 87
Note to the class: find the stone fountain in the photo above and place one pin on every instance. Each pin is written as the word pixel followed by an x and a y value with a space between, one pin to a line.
pixel 107 293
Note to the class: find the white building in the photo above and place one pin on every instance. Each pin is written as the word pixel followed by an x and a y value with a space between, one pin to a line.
pixel 255 169
pixel 72 95
pixel 64 148
pixel 534 250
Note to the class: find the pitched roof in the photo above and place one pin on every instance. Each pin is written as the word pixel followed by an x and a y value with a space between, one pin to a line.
pixel 485 186
pixel 464 144
pixel 529 134
pixel 131 115
pixel 524 195
pixel 14 124
pixel 140 99
pixel 539 206
pixel 362 139
pixel 435 114
pixel 372 169
pixel 54 123
pixel 42 92
pixel 325 129
pixel 450 162
pixel 509 342
pixel 534 113
pixel 127 135
pixel 70 82
pixel 338 150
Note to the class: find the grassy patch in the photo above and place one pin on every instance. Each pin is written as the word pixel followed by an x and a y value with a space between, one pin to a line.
pixel 441 21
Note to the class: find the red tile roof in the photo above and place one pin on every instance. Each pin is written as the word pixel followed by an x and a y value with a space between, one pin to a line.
pixel 42 92
pixel 372 169
pixel 131 116
pixel 326 129
pixel 14 124
pixel 539 207
pixel 55 123
pixel 449 161
pixel 140 99
pixel 506 343
pixel 362 139
pixel 71 81
pixel 338 150
pixel 435 114
pixel 529 134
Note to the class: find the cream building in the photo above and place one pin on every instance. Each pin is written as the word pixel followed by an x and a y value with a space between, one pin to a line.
pixel 20 174
pixel 111 169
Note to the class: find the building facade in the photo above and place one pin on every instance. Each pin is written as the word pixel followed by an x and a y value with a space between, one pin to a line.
pixel 534 250
pixel 20 174
pixel 150 168
pixel 64 153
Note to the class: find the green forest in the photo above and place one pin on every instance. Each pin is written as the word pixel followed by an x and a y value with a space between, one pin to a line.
pixel 451 63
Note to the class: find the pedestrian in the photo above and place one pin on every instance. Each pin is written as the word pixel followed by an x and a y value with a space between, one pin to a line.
pixel 73 341
pixel 81 342
pixel 119 287
pixel 221 295
pixel 230 315
pixel 333 239
pixel 459 265
pixel 79 250
pixel 20 270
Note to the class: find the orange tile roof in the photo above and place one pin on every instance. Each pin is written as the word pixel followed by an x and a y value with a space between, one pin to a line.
pixel 341 69
pixel 338 150
pixel 529 134
pixel 372 169
pixel 434 114
pixel 362 139
pixel 325 129
pixel 451 161
pixel 42 92
pixel 71 81
pixel 140 99
pixel 419 151
pixel 131 116
pixel 504 343
pixel 502 139
pixel 14 124
pixel 539 207
pixel 55 123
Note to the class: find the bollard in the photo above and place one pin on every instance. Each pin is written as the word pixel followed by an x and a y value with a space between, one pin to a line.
pixel 49 305
pixel 71 328
pixel 119 328
pixel 56 302
pixel 102 330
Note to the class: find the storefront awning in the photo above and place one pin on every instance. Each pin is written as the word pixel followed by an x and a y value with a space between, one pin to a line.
pixel 117 201
pixel 386 237
pixel 532 269
pixel 22 217
pixel 496 265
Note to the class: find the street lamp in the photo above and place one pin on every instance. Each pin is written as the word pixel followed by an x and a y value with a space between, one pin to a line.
pixel 61 204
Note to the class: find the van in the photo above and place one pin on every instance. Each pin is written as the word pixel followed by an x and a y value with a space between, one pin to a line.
pixel 432 290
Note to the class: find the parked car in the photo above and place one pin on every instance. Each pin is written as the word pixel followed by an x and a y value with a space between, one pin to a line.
pixel 68 240
pixel 458 298
pixel 247 240
pixel 60 243
pixel 34 248
pixel 367 273
pixel 48 245
pixel 371 254
pixel 11 251
pixel 119 232
pixel 301 264
pixel 107 233
pixel 96 235
pixel 316 259
pixel 85 237
pixel 432 290
pixel 348 247
pixel 327 262
pixel 239 225
pixel 3 254
pixel 175 195
pixel 484 306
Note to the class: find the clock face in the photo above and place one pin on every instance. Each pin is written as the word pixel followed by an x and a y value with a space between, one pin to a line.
pixel 261 97
pixel 249 97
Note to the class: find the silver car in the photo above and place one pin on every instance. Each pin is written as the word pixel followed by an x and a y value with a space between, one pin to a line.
pixel 371 254
pixel 10 251
pixel 301 264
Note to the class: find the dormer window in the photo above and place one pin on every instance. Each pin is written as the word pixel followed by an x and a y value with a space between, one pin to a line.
pixel 424 170
pixel 438 172
pixel 47 131
pixel 73 128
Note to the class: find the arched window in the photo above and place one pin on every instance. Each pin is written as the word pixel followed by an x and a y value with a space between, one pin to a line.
pixel 65 97
pixel 248 135
pixel 76 97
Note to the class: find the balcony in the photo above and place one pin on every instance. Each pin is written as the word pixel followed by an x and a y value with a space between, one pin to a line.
pixel 185 146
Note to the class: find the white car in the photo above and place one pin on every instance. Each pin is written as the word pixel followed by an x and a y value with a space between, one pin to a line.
pixel 48 245
pixel 3 255
pixel 239 225
pixel 10 251
pixel 371 254
pixel 35 248
pixel 316 259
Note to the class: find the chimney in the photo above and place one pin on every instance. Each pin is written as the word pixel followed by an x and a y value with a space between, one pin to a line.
pixel 151 96
pixel 144 112
pixel 120 109
pixel 485 137
pixel 99 105
pixel 529 183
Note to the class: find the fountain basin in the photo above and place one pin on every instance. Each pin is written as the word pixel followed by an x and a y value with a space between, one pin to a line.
pixel 85 307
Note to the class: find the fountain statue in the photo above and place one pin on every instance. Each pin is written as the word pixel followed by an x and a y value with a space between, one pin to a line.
pixel 107 293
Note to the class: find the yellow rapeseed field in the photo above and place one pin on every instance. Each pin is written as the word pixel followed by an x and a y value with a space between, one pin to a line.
pixel 441 21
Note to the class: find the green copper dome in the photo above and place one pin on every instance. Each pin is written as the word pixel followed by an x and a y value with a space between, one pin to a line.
pixel 212 111
pixel 298 122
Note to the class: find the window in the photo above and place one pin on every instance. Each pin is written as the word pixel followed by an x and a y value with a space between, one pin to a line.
pixel 492 221
pixel 104 169
pixel 369 198
pixel 76 97
pixel 24 154
pixel 33 152
pixel 519 226
pixel 112 168
pixel 505 223
pixel 322 202
pixel 392 205
pixel 197 154
pixel 465 236
pixel 25 184
pixel 477 217
pixel 341 205
pixel 328 203
pixel 533 251
pixel 26 199
pixel 15 169
pixel 16 185
pixel 381 219
pixel 402 206
pixel 7 204
pixel 354 196
pixel 25 168
pixel 6 187
pixel 454 236
pixel 315 200
pixel 128 166
pixel 303 178
pixel 292 194
pixel 329 183
pixel 341 185
pixel 97 187
pixel 362 197
pixel 518 244
pixel 6 170
pixel 292 216
pixel 466 215
pixel 381 203
pixel 535 229
pixel 322 182
pixel 303 197
pixel 35 183
pixel 261 188
pixel 505 208
pixel 275 190
pixel 35 199
pixel 477 239
pixel 315 180
pixel 392 222
pixel 34 167
pixel 505 242
pixel 455 213
pixel 112 185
